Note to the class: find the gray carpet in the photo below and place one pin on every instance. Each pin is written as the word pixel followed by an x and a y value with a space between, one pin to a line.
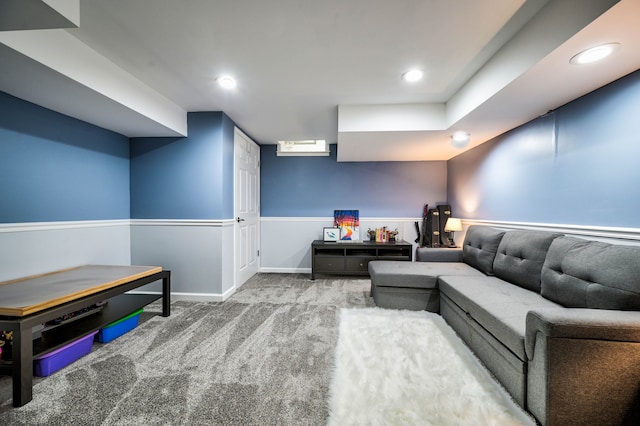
pixel 263 357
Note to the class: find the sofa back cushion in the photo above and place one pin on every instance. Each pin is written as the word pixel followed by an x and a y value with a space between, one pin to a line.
pixel 480 246
pixel 589 274
pixel 520 257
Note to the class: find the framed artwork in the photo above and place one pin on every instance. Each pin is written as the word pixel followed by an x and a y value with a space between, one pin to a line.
pixel 349 223
pixel 331 234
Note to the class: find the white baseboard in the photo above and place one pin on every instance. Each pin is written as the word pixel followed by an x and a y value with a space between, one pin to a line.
pixel 193 297
pixel 285 270
pixel 198 297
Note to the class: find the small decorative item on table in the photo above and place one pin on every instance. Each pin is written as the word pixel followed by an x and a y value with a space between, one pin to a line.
pixel 349 223
pixel 331 234
pixel 382 235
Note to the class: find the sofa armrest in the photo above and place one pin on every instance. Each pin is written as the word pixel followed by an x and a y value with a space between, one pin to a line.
pixel 574 323
pixel 582 366
pixel 426 254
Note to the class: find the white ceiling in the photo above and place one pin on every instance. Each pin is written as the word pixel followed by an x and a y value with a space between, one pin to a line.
pixel 309 69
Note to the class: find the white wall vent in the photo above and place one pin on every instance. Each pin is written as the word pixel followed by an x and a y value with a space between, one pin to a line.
pixel 303 148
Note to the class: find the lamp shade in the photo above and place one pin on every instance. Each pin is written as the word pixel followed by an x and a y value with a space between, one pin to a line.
pixel 452 225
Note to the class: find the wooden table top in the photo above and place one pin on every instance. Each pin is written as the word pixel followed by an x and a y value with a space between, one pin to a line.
pixel 26 296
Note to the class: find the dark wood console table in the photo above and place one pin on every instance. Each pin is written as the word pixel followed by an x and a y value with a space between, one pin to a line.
pixel 352 258
pixel 28 302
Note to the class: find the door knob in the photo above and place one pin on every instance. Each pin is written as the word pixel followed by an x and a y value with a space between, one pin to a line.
pixel 238 219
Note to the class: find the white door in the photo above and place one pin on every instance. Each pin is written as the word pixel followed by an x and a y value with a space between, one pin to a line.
pixel 247 207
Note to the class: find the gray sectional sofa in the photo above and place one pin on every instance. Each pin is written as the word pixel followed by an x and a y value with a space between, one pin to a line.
pixel 555 319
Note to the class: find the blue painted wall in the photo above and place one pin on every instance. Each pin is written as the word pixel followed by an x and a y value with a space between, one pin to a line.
pixel 57 168
pixel 578 165
pixel 185 178
pixel 315 186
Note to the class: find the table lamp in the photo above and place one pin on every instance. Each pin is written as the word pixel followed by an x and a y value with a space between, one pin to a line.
pixel 453 224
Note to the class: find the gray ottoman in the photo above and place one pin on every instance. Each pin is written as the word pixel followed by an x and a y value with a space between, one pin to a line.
pixel 411 285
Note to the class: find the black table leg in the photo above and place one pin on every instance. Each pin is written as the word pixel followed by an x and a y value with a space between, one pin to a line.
pixel 22 366
pixel 166 295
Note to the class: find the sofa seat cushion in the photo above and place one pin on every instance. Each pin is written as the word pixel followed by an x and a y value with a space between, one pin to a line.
pixel 396 273
pixel 520 257
pixel 591 274
pixel 496 305
pixel 480 247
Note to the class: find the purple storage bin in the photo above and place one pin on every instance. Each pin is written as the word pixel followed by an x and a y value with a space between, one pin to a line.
pixel 48 364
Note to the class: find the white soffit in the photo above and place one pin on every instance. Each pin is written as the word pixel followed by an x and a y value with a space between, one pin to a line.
pixel 70 9
pixel 39 14
pixel 362 138
pixel 101 81
pixel 395 117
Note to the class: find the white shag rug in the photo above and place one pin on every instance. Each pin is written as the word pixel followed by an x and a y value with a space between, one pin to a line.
pixel 410 368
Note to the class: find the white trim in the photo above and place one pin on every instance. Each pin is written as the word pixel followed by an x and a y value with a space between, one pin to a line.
pixel 268 270
pixel 578 230
pixel 183 222
pixel 240 141
pixel 194 297
pixel 392 219
pixel 295 219
pixel 47 226
pixel 325 219
pixel 227 294
pixel 75 224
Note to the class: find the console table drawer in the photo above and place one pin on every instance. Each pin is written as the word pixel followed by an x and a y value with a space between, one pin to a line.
pixel 329 264
pixel 358 264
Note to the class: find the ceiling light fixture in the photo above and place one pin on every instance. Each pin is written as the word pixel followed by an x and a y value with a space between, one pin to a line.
pixel 227 82
pixel 412 76
pixel 460 139
pixel 594 54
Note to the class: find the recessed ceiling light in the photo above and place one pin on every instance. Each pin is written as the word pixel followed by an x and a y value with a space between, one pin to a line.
pixel 227 82
pixel 594 54
pixel 412 76
pixel 460 139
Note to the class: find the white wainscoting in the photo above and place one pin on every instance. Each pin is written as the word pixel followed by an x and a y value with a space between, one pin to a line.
pixel 35 248
pixel 199 254
pixel 286 241
pixel 612 235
